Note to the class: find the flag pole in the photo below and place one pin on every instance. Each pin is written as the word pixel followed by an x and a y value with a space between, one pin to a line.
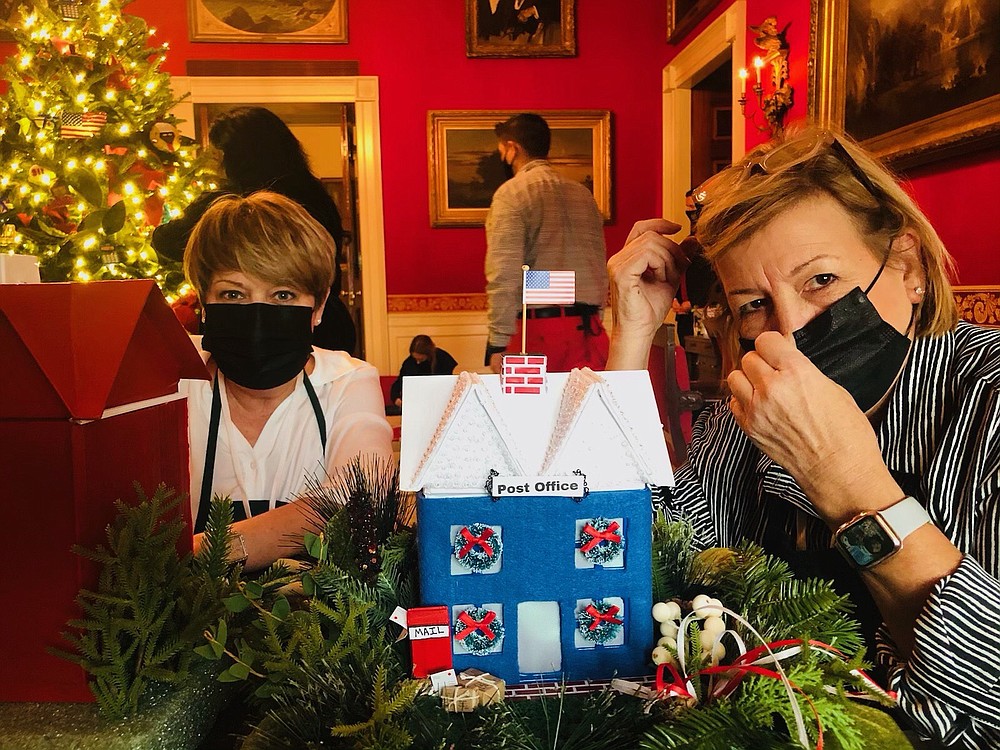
pixel 524 308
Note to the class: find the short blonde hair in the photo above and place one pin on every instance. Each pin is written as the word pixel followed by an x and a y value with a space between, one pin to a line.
pixel 740 201
pixel 264 235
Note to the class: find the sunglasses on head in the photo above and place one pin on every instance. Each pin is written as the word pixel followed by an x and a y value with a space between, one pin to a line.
pixel 788 156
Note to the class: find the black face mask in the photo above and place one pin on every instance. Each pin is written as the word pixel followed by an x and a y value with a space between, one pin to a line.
pixel 258 345
pixel 851 344
pixel 508 169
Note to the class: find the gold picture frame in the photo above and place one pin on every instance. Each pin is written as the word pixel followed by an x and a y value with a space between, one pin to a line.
pixel 535 28
pixel 684 15
pixel 465 170
pixel 949 109
pixel 264 21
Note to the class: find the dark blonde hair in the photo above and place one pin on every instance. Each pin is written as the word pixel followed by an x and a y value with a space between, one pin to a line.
pixel 740 202
pixel 264 235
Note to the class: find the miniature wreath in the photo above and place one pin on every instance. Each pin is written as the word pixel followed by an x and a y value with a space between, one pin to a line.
pixel 601 540
pixel 479 630
pixel 477 547
pixel 599 621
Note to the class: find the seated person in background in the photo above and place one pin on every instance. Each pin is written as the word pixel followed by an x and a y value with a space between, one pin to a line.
pixel 425 359
pixel 859 400
pixel 277 410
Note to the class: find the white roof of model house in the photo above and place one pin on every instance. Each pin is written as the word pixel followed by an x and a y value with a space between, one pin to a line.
pixel 457 428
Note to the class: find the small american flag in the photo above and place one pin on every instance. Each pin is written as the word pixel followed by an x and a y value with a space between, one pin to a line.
pixel 523 373
pixel 81 125
pixel 549 287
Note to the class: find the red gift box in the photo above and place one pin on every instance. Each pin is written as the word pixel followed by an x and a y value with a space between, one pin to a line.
pixel 88 406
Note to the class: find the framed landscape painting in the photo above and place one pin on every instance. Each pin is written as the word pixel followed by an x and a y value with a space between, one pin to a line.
pixel 520 28
pixel 294 21
pixel 465 168
pixel 911 81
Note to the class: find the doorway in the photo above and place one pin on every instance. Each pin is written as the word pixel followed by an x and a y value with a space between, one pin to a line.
pixel 346 109
pixel 718 46
pixel 326 132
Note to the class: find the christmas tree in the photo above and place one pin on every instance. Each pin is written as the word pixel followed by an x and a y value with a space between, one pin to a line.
pixel 91 161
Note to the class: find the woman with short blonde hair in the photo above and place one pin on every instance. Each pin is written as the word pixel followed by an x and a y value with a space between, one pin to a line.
pixel 861 409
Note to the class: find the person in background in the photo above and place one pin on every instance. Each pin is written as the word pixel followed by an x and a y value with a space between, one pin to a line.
pixel 550 223
pixel 259 152
pixel 425 359
pixel 862 411
pixel 277 411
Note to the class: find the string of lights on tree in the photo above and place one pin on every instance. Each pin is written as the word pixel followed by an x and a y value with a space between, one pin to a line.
pixel 91 161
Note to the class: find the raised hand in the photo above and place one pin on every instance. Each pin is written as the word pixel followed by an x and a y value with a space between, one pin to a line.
pixel 645 275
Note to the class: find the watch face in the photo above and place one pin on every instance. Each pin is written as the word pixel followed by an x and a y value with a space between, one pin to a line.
pixel 866 541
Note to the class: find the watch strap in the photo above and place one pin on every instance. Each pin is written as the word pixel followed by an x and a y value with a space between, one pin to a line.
pixel 905 517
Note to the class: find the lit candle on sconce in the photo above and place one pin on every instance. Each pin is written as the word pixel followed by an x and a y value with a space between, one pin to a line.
pixel 743 81
pixel 758 63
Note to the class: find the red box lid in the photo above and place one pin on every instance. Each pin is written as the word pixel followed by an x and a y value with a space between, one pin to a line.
pixel 73 350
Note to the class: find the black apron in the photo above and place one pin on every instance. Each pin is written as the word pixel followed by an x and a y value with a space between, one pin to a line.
pixel 256 506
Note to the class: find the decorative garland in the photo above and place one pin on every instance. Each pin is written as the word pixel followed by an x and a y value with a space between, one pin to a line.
pixel 601 540
pixel 479 629
pixel 598 622
pixel 477 546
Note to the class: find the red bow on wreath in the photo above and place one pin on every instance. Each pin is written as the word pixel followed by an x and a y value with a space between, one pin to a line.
pixel 473 541
pixel 599 617
pixel 472 624
pixel 596 537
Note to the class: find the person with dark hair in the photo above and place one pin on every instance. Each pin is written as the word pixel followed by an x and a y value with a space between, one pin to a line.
pixel 540 219
pixel 259 152
pixel 425 359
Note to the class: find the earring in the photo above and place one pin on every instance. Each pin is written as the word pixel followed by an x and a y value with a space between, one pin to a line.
pixel 919 291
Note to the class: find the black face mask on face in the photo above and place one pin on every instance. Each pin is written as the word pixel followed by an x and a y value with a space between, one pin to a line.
pixel 851 344
pixel 258 345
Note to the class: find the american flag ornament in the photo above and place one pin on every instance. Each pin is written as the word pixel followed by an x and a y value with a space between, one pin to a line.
pixel 523 374
pixel 549 287
pixel 81 125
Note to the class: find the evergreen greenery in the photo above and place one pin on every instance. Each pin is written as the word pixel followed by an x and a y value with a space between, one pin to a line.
pixel 151 605
pixel 326 669
pixel 86 206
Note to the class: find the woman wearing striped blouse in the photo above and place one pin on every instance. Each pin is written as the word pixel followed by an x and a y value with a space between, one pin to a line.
pixel 861 408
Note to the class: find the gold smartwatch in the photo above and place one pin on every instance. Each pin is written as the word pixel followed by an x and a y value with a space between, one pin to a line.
pixel 876 535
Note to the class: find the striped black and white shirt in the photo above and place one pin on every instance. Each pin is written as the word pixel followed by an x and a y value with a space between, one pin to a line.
pixel 941 440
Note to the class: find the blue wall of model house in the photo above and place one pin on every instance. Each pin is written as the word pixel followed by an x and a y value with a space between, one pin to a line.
pixel 538 564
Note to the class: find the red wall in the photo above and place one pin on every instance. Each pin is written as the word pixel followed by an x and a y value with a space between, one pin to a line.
pixel 418 52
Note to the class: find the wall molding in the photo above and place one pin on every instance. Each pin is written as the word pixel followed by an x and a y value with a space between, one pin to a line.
pixel 415 303
pixel 979 304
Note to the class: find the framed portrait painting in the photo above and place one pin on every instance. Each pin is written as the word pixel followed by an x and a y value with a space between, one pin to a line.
pixel 465 167
pixel 520 28
pixel 684 15
pixel 294 21
pixel 911 81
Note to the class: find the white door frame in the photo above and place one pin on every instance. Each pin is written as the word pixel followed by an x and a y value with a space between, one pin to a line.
pixel 724 38
pixel 362 91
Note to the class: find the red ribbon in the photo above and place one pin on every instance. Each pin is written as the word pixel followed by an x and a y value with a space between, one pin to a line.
pixel 600 617
pixel 472 625
pixel 473 541
pixel 596 537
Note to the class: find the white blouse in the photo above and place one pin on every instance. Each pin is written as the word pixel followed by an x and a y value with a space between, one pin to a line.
pixel 289 450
